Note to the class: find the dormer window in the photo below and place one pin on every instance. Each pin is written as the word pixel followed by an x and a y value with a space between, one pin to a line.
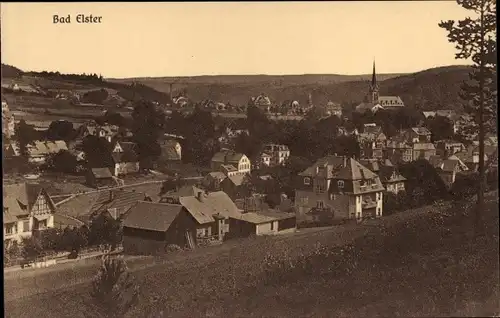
pixel 307 181
pixel 340 184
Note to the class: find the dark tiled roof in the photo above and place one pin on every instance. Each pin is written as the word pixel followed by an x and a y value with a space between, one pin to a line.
pixel 354 171
pixel 151 216
pixel 185 191
pixel 227 156
pixel 120 199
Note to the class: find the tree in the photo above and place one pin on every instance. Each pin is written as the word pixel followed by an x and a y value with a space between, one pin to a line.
pixel 148 124
pixel 114 290
pixel 62 161
pixel 104 230
pixel 32 247
pixel 475 38
pixel 50 239
pixel 441 128
pixel 25 135
pixel 171 184
pixel 97 151
pixel 61 130
pixel 114 118
pixel 72 240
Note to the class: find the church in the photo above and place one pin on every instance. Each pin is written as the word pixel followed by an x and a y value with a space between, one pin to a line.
pixel 375 102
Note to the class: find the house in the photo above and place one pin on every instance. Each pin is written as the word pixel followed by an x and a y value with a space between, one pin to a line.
pixel 171 150
pixel 374 102
pixel 389 175
pixel 423 150
pixel 262 102
pixel 148 228
pixel 470 157
pixel 372 142
pixel 8 120
pixel 446 148
pixel 262 223
pixel 333 109
pixel 237 186
pixel 279 153
pixel 344 131
pixel 229 157
pixel 447 169
pixel 26 208
pixel 337 188
pixel 125 158
pixel 417 134
pixel 62 221
pixel 212 180
pixel 99 178
pixel 398 151
pixel 265 159
pixel 91 128
pixel 37 152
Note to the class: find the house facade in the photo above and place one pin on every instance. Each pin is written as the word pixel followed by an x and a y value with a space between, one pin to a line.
pixel 262 223
pixel 99 178
pixel 389 175
pixel 171 150
pixel 279 153
pixel 423 150
pixel 8 120
pixel 229 157
pixel 446 148
pixel 125 158
pixel 338 188
pixel 398 152
pixel 448 169
pixel 26 208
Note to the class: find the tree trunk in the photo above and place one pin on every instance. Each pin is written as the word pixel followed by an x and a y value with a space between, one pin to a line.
pixel 480 195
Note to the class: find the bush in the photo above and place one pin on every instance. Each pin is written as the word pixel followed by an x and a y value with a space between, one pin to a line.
pixel 114 291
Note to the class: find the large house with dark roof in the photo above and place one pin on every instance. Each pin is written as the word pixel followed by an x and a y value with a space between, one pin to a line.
pixel 26 208
pixel 337 188
pixel 448 169
pixel 99 178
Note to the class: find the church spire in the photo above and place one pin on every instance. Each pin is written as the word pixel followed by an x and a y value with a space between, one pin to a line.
pixel 374 87
pixel 374 76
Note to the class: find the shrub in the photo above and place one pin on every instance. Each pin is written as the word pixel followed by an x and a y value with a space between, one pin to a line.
pixel 114 290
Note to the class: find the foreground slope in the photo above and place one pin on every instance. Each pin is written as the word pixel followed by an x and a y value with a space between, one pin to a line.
pixel 417 263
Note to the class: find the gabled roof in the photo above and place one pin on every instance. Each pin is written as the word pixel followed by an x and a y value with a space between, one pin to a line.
pixel 210 205
pixel 390 174
pixel 101 173
pixel 227 157
pixel 354 171
pixel 389 101
pixel 151 216
pixel 39 148
pixel 19 198
pixel 217 175
pixel 228 168
pixel 421 131
pixel 120 199
pixel 238 179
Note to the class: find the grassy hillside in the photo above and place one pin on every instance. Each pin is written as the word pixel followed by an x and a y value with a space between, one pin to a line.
pixel 10 71
pixel 431 89
pixel 418 263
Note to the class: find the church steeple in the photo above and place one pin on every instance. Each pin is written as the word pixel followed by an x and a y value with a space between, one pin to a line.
pixel 374 87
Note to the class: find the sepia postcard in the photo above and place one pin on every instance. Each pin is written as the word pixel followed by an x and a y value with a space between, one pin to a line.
pixel 250 159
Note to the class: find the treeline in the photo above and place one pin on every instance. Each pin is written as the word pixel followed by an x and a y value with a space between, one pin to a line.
pixel 94 78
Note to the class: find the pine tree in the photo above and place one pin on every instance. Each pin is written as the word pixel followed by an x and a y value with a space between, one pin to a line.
pixel 475 38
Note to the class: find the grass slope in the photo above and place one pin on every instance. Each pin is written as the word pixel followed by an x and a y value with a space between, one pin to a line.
pixel 417 263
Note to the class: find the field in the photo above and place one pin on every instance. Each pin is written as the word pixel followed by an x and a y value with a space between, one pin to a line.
pixel 416 263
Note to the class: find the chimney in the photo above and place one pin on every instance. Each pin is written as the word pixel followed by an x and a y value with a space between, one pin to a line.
pixel 199 196
pixel 345 161
pixel 111 195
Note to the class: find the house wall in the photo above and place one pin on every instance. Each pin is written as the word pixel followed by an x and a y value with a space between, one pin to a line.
pixel 395 187
pixel 342 204
pixel 287 224
pixel 141 242
pixel 239 228
pixel 123 168
pixel 267 228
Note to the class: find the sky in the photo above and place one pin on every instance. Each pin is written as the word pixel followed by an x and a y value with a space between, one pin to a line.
pixel 215 38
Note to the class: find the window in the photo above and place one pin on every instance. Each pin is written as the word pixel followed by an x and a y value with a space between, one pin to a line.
pixel 10 228
pixel 320 204
pixel 307 181
pixel 332 196
pixel 340 184
pixel 272 226
pixel 26 226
